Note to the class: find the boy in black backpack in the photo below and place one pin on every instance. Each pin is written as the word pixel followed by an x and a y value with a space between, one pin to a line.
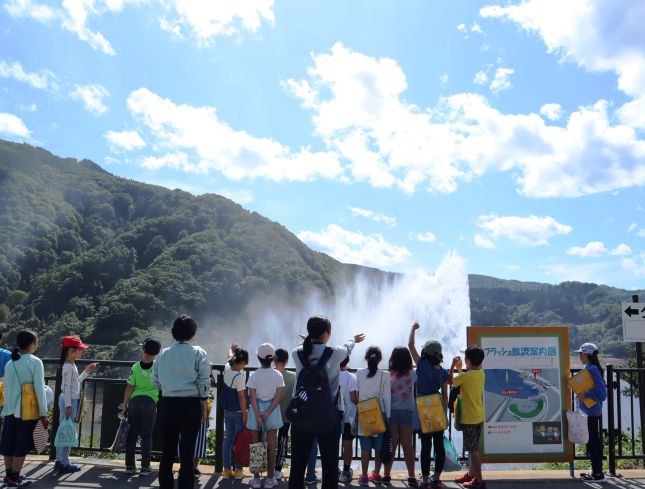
pixel 315 409
pixel 233 400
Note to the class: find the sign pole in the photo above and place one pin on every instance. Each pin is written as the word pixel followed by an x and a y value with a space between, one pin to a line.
pixel 641 379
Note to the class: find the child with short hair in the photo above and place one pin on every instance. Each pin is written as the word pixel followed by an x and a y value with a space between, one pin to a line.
pixel 69 400
pixel 349 390
pixel 140 407
pixel 373 383
pixel 431 378
pixel 266 388
pixel 281 361
pixel 233 399
pixel 471 385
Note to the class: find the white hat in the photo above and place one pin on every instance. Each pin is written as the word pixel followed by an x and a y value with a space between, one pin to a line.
pixel 587 349
pixel 266 351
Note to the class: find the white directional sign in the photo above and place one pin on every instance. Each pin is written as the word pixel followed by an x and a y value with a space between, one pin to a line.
pixel 633 314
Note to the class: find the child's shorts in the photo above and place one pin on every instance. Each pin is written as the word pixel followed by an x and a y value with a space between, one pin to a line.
pixel 369 443
pixel 347 432
pixel 17 436
pixel 472 433
pixel 273 422
pixel 401 417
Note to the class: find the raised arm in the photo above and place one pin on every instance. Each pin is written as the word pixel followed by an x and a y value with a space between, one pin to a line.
pixel 411 345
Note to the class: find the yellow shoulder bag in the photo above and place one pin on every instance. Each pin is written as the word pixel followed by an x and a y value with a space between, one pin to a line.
pixel 432 413
pixel 370 417
pixel 29 401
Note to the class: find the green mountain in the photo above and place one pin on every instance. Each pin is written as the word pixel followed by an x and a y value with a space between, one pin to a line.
pixel 85 252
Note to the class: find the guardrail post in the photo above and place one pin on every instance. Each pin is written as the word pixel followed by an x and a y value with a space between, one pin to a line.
pixel 219 424
pixel 56 413
pixel 610 419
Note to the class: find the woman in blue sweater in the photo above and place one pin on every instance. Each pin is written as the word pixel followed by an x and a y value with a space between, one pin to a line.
pixel 589 357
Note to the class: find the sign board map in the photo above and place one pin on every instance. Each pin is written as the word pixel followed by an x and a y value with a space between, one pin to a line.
pixel 525 394
pixel 633 315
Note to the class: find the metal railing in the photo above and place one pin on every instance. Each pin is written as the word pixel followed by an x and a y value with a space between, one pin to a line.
pixel 105 394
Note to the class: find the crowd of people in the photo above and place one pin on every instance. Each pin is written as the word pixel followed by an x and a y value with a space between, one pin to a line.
pixel 315 407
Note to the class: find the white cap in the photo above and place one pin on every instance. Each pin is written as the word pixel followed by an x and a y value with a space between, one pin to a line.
pixel 266 351
pixel 587 349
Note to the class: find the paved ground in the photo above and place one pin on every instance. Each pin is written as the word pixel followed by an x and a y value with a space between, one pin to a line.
pixel 102 474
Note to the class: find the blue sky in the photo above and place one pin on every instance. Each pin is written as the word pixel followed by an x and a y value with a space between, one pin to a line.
pixel 383 133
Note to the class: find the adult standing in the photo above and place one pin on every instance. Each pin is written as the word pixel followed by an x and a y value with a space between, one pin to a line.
pixel 17 432
pixel 311 352
pixel 182 373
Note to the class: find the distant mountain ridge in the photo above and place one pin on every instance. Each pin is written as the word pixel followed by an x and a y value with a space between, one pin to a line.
pixel 108 258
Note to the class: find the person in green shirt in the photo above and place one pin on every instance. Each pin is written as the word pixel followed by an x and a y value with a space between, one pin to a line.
pixel 140 407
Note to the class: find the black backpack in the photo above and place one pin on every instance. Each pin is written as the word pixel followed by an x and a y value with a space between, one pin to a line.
pixel 312 409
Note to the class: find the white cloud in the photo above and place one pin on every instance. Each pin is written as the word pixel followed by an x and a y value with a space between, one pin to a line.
pixel 44 80
pixel 125 140
pixel 632 227
pixel 28 107
pixel 501 80
pixel 530 231
pixel 481 78
pixel 426 237
pixel 462 27
pixel 476 28
pixel 552 111
pixel 194 139
pixel 443 79
pixel 92 97
pixel 641 233
pixel 389 221
pixel 635 265
pixel 621 250
pixel 593 249
pixel 357 109
pixel 483 242
pixel 239 195
pixel 29 8
pixel 13 125
pixel 355 247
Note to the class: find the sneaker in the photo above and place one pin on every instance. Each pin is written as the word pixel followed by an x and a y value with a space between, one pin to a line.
pixel 270 482
pixel 386 479
pixel 238 474
pixel 68 469
pixel 474 484
pixel 145 471
pixel 435 483
pixel 346 476
pixel 256 483
pixel 363 480
pixel 57 467
pixel 412 482
pixel 227 474
pixel 312 479
pixel 18 482
pixel 196 472
pixel 375 477
pixel 73 468
pixel 130 469
pixel 464 478
pixel 277 475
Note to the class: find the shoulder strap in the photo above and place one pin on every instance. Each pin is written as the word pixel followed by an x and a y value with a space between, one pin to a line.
pixel 233 381
pixel 327 353
pixel 14 367
pixel 303 358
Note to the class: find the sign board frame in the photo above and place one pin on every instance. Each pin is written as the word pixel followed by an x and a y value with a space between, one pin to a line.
pixel 555 335
pixel 634 322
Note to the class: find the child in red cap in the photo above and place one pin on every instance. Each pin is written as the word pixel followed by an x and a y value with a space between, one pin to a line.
pixel 69 401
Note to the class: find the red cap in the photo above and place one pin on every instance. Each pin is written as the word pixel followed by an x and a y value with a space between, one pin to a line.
pixel 73 341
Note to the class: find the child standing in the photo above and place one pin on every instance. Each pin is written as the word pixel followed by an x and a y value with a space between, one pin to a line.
pixel 589 358
pixel 373 383
pixel 266 387
pixel 431 379
pixel 349 390
pixel 471 384
pixel 69 401
pixel 281 361
pixel 233 399
pixel 140 407
pixel 402 380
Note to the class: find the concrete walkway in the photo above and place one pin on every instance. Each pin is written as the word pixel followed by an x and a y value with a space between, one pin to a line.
pixel 110 475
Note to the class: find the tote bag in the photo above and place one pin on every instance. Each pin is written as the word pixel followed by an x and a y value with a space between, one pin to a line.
pixel 40 436
pixel 432 413
pixel 458 410
pixel 578 429
pixel 66 434
pixel 243 440
pixel 370 417
pixel 28 402
pixel 452 463
pixel 258 456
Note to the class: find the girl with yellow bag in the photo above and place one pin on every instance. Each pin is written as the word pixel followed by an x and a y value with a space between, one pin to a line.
pixel 25 403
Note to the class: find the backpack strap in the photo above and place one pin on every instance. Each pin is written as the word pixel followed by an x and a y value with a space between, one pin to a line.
pixel 324 358
pixel 233 381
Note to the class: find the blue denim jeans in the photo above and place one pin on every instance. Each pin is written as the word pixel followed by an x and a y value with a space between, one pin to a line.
pixel 62 453
pixel 232 426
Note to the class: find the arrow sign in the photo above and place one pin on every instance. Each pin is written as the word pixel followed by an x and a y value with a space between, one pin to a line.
pixel 633 316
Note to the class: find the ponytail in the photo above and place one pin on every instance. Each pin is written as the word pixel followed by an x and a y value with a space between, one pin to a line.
pixel 373 357
pixel 316 327
pixel 23 339
pixel 63 354
pixel 307 346
pixel 593 360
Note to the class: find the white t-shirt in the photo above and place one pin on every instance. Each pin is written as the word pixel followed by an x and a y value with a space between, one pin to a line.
pixel 377 386
pixel 265 381
pixel 234 379
pixel 347 382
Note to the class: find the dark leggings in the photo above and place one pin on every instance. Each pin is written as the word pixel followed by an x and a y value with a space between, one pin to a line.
pixel 426 452
pixel 594 446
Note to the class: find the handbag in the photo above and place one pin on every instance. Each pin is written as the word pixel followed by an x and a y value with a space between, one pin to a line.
pixel 578 429
pixel 458 412
pixel 386 449
pixel 452 463
pixel 118 445
pixel 80 411
pixel 66 434
pixel 242 452
pixel 432 413
pixel 40 436
pixel 1 391
pixel 370 416
pixel 28 402
pixel 258 456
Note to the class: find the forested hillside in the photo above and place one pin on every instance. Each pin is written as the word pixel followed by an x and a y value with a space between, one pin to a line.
pixel 85 252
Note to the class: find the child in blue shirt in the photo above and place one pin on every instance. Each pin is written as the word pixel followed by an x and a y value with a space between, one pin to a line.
pixel 589 357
